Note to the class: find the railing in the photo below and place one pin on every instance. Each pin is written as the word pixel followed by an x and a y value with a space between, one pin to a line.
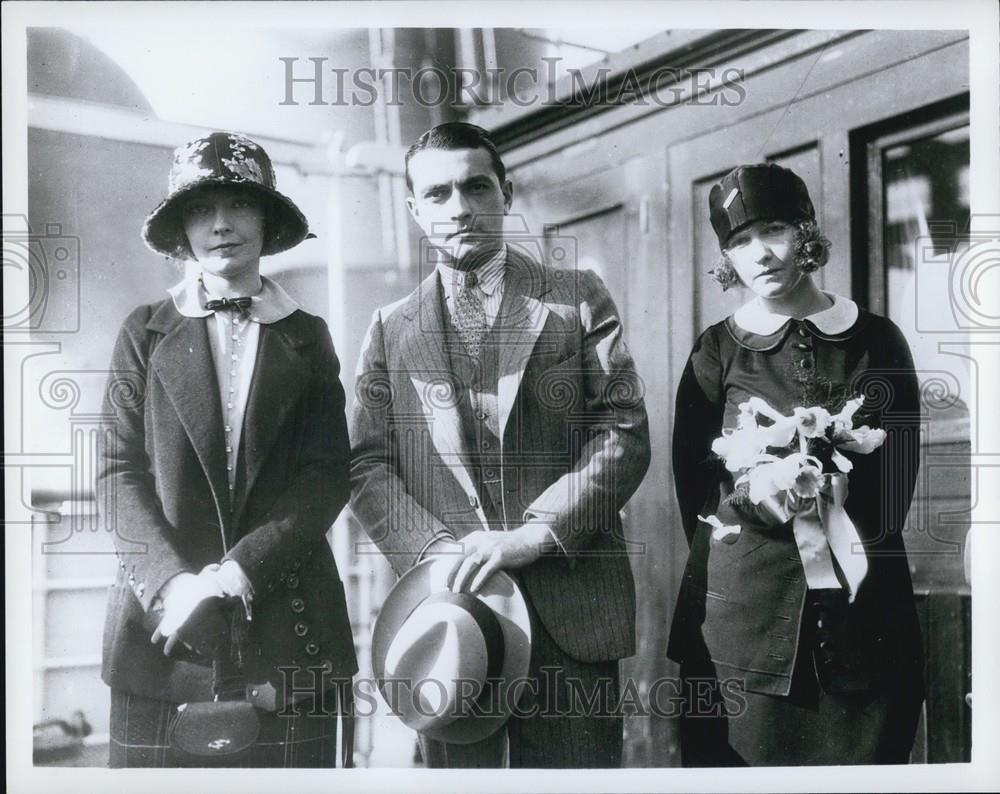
pixel 72 566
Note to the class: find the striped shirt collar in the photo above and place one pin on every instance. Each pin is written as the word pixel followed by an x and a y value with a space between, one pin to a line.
pixel 490 274
pixel 269 305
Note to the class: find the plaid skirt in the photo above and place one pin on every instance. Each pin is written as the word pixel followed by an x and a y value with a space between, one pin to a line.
pixel 140 730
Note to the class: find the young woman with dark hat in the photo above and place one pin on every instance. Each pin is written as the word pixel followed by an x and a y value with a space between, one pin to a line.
pixel 227 639
pixel 789 653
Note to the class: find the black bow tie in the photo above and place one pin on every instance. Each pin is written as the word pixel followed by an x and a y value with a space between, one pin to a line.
pixel 229 303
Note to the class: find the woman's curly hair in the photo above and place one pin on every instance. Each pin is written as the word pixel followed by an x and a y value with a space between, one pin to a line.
pixel 810 251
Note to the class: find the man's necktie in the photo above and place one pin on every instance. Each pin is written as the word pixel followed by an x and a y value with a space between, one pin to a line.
pixel 242 304
pixel 470 316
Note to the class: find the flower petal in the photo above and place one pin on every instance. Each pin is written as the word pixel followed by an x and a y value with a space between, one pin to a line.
pixel 727 533
pixel 864 440
pixel 841 462
pixel 808 482
pixel 762 407
pixel 812 422
pixel 769 478
pixel 747 418
pixel 780 434
pixel 846 414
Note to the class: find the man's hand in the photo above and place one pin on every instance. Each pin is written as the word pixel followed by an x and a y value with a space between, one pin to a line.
pixel 478 555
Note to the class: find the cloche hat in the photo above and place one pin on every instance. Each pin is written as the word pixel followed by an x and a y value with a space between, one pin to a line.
pixel 754 192
pixel 223 158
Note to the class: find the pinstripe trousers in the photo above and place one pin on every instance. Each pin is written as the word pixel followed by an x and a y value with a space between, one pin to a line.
pixel 568 717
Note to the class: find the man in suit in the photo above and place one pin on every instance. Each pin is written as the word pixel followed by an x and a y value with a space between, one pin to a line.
pixel 226 463
pixel 499 419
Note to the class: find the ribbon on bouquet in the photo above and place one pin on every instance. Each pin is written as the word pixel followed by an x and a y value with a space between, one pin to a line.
pixel 823 531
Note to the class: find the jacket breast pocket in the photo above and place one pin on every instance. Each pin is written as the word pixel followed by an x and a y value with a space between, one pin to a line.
pixel 567 358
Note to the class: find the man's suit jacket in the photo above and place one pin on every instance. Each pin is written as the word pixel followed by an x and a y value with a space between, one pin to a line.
pixel 162 488
pixel 575 444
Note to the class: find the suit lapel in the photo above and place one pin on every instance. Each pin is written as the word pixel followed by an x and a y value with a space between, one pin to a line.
pixel 280 374
pixel 429 370
pixel 424 336
pixel 184 365
pixel 522 318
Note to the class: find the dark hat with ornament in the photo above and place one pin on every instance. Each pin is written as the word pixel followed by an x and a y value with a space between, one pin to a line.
pixel 223 159
pixel 759 191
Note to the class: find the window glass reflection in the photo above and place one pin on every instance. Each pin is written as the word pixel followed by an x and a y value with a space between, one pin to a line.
pixel 925 195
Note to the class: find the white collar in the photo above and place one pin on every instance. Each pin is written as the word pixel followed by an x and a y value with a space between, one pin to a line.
pixel 269 305
pixel 490 274
pixel 835 319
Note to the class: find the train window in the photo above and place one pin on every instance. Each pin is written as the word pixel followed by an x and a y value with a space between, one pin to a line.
pixel 918 205
pixel 911 211
pixel 925 194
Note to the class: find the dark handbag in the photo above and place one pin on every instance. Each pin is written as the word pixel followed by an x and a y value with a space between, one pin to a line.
pixel 221 732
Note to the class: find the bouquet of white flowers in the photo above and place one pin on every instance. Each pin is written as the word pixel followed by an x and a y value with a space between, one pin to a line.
pixel 783 462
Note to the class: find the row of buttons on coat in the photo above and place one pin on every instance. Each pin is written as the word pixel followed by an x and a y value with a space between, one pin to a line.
pixel 138 588
pixel 298 606
pixel 807 362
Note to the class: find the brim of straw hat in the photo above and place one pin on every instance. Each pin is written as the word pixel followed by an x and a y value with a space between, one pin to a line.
pixel 285 225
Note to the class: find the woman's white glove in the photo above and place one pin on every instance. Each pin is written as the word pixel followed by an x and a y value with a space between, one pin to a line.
pixel 180 596
pixel 233 582
pixel 231 578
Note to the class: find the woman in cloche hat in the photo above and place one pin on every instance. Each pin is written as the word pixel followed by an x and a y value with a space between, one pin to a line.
pixel 795 627
pixel 226 464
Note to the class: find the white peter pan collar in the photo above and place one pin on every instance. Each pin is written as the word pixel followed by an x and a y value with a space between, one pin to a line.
pixel 836 319
pixel 269 305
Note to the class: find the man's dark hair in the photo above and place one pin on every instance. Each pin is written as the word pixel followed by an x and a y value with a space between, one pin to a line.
pixel 456 135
